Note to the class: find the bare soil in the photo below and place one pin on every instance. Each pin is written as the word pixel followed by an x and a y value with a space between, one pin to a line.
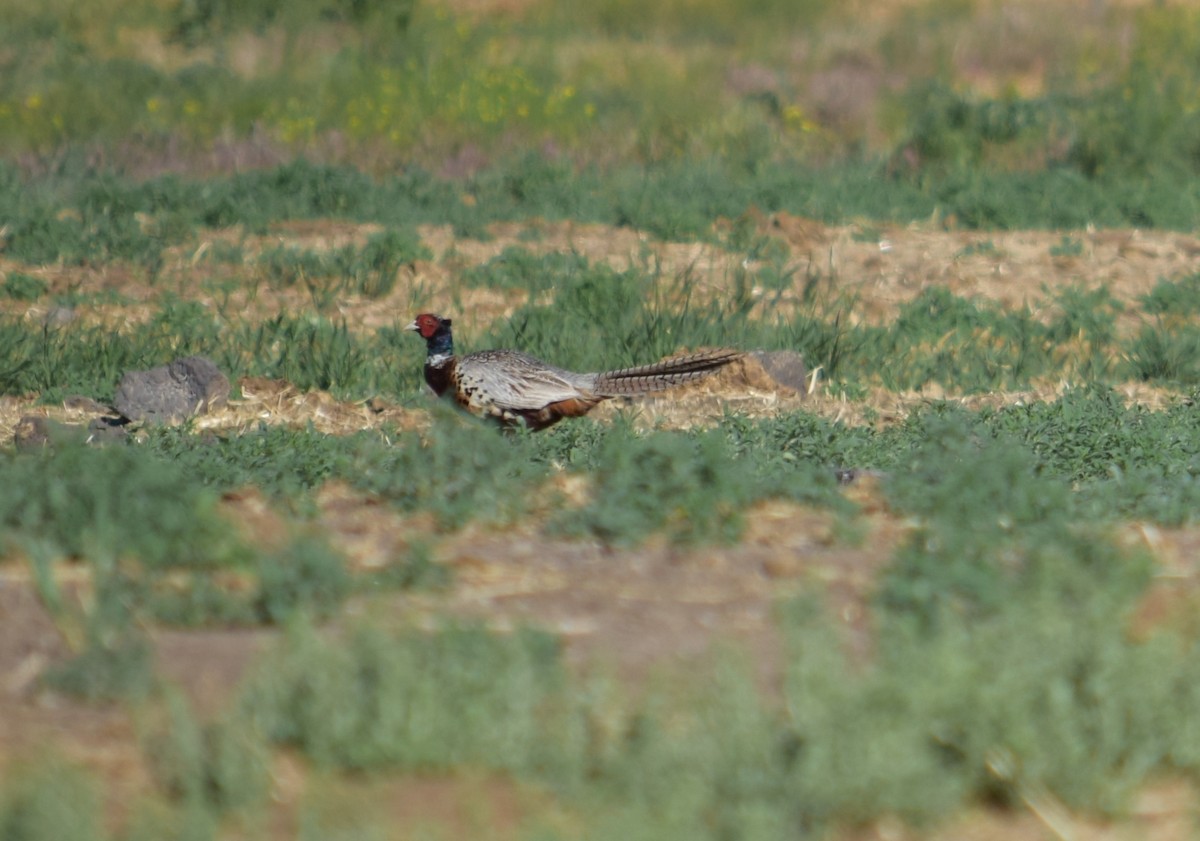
pixel 630 610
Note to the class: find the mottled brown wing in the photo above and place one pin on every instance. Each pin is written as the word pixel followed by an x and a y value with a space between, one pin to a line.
pixel 517 381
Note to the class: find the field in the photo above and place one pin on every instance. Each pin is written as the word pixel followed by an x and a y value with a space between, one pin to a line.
pixel 944 586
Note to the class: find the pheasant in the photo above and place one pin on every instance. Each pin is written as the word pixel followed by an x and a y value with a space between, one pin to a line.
pixel 517 389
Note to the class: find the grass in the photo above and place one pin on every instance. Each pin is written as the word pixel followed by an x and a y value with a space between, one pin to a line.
pixel 609 82
pixel 1005 666
pixel 983 581
pixel 24 287
pixel 1000 671
pixel 426 702
pixel 692 488
pixel 918 730
pixel 1016 475
pixel 1087 450
pixel 601 318
pixel 78 215
pixel 1014 707
pixel 53 800
pixel 369 271
pixel 73 504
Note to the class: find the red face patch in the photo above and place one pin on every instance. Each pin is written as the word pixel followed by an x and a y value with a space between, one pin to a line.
pixel 428 324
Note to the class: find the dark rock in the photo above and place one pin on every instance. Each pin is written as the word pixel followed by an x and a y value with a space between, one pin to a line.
pixel 170 393
pixel 107 431
pixel 786 367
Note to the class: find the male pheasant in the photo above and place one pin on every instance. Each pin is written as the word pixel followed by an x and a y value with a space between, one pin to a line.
pixel 517 389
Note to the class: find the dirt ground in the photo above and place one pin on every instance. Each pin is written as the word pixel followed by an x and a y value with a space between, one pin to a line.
pixel 629 610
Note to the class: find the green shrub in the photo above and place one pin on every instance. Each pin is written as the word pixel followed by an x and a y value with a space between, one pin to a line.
pixel 414 700
pixel 519 268
pixel 1042 695
pixel 95 504
pixel 990 530
pixel 1160 353
pixel 949 129
pixel 371 270
pixel 215 767
pixel 24 287
pixel 460 472
pixel 304 575
pixel 691 487
pixel 116 664
pixel 1173 297
pixel 50 801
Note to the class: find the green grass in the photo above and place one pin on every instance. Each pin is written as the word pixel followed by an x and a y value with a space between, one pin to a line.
pixel 1095 461
pixel 692 488
pixel 981 686
pixel 51 800
pixel 213 767
pixel 72 504
pixel 991 530
pixel 1179 297
pixel 24 287
pixel 601 319
pixel 418 701
pixel 311 352
pixel 93 504
pixel 688 79
pixel 78 215
pixel 1028 702
pixel 1003 664
pixel 369 271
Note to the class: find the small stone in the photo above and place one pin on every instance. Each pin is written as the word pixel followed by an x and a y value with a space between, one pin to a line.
pixel 169 393
pixel 59 316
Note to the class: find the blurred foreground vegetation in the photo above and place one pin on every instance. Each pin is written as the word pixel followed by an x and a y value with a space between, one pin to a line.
pixel 1007 665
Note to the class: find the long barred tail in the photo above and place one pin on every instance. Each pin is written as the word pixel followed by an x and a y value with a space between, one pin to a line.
pixel 660 375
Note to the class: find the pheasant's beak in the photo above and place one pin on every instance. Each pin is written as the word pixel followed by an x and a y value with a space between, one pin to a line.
pixel 412 326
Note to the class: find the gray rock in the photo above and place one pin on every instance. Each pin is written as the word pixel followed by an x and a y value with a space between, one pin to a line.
pixel 786 367
pixel 169 393
pixel 107 431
